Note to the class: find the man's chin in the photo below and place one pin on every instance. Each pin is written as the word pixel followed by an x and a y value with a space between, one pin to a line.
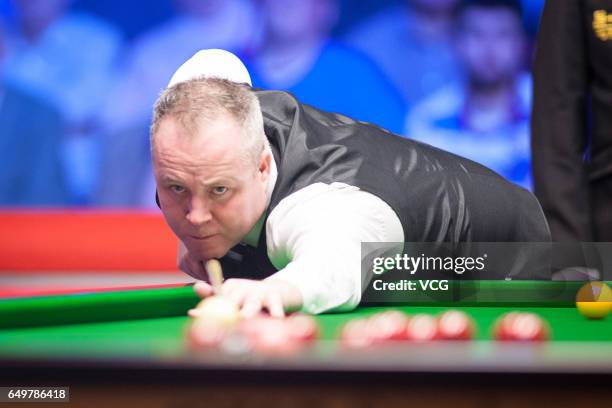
pixel 208 251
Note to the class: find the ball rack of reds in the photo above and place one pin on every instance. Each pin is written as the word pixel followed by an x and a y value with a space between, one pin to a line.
pixel 216 324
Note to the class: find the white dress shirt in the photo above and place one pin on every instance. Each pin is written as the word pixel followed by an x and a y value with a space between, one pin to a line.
pixel 314 239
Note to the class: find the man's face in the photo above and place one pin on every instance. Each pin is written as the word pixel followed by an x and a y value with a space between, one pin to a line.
pixel 490 44
pixel 210 194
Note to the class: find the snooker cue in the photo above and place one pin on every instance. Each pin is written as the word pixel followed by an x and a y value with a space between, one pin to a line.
pixel 215 274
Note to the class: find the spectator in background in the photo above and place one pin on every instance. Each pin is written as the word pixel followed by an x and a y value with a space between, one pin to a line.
pixel 485 116
pixel 297 55
pixel 125 174
pixel 412 44
pixel 64 58
pixel 30 136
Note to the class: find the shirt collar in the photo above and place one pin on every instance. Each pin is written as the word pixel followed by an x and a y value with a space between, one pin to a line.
pixel 252 238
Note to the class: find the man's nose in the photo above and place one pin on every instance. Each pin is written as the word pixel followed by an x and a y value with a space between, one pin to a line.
pixel 198 212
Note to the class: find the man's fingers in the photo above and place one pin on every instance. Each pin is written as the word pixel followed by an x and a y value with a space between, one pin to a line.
pixel 250 296
pixel 233 283
pixel 235 293
pixel 274 303
pixel 251 307
pixel 203 289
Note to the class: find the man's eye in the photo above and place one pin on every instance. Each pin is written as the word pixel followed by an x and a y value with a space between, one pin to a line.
pixel 219 190
pixel 177 189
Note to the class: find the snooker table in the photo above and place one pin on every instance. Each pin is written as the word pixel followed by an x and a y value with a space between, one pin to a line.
pixel 127 348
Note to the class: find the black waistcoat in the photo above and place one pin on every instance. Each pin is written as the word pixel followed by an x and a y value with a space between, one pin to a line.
pixel 438 196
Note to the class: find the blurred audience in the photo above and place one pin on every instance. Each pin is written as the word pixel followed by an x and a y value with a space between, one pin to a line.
pixel 412 44
pixel 298 55
pixel 484 116
pixel 30 136
pixel 125 178
pixel 74 122
pixel 64 58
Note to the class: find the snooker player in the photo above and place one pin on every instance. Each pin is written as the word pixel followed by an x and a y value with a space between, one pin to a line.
pixel 284 194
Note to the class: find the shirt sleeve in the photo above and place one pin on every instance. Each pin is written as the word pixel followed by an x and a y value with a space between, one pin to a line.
pixel 314 237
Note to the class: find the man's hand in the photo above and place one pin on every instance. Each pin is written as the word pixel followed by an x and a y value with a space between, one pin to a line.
pixel 192 267
pixel 254 296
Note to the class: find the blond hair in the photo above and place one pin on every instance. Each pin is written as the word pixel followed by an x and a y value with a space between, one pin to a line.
pixel 201 100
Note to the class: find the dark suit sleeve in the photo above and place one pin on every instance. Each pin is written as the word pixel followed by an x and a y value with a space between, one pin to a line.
pixel 558 126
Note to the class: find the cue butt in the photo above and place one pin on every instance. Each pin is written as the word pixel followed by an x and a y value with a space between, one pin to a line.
pixel 215 274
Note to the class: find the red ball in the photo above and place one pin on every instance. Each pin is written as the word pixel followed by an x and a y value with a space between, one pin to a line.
pixel 354 334
pixel 251 327
pixel 455 325
pixel 530 327
pixel 388 326
pixel 521 326
pixel 273 336
pixel 206 333
pixel 302 327
pixel 502 328
pixel 422 327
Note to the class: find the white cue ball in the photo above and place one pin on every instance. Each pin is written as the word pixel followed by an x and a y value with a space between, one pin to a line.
pixel 219 309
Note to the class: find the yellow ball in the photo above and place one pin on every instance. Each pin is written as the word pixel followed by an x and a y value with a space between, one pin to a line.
pixel 594 300
pixel 593 310
pixel 218 309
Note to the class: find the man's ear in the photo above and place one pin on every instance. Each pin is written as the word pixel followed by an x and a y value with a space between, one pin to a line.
pixel 265 163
